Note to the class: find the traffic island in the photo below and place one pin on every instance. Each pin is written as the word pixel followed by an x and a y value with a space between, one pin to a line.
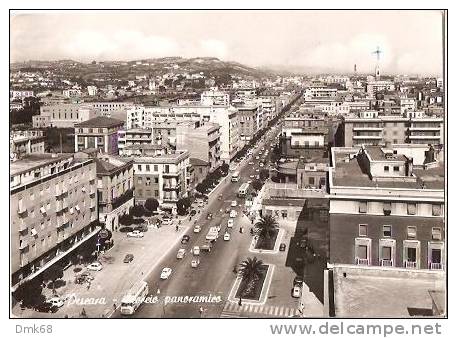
pixel 268 246
pixel 254 291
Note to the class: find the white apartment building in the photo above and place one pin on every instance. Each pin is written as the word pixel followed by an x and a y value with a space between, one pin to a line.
pixel 92 90
pixel 70 93
pixel 215 98
pixel 318 93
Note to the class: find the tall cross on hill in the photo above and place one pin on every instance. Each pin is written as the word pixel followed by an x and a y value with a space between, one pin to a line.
pixel 377 52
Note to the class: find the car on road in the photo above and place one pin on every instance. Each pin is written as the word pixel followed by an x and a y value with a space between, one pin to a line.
pixel 233 213
pixel 95 266
pixel 181 253
pixel 251 176
pixel 200 203
pixel 165 274
pixel 249 182
pixel 251 163
pixel 263 149
pixel 282 247
pixel 218 227
pixel 230 223
pixel 298 280
pixel 46 307
pixel 193 212
pixel 296 291
pixel 227 210
pixel 135 234
pixel 257 170
pixel 196 250
pixel 257 157
pixel 233 204
pixel 197 228
pixel 226 236
pixel 185 239
pixel 56 301
pixel 206 248
pixel 209 216
pixel 261 164
pixel 195 262
pixel 167 221
pixel 128 258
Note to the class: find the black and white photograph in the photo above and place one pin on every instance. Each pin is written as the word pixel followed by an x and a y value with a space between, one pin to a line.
pixel 227 164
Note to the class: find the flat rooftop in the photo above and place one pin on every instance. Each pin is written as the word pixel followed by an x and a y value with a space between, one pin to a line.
pixel 379 154
pixel 384 292
pixel 33 161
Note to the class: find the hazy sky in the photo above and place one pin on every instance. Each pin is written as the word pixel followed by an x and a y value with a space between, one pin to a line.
pixel 411 41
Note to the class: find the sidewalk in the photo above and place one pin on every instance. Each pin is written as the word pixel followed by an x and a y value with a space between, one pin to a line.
pixel 116 277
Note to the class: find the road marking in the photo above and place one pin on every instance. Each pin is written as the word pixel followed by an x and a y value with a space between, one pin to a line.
pixel 272 309
pixel 276 311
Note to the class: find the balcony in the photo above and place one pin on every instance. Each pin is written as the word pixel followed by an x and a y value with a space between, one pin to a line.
pixel 436 266
pixel 21 210
pixel 424 137
pixel 367 128
pixel 362 261
pixel 23 245
pixel 417 128
pixel 22 226
pixel 170 174
pixel 169 187
pixel 367 137
pixel 386 262
pixel 410 265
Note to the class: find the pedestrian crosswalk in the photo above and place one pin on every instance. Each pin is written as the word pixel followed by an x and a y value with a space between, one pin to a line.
pixel 233 310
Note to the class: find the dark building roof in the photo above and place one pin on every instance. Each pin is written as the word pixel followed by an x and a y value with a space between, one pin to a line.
pixel 198 162
pixel 100 122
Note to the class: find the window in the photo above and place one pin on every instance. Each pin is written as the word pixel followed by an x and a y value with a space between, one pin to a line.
pixel 387 230
pixel 167 168
pixel 311 180
pixel 140 180
pixel 436 234
pixel 140 192
pixel 363 207
pixel 386 168
pixel 156 180
pixel 362 230
pixel 387 208
pixel 411 208
pixel 139 167
pixel 148 181
pixel 396 168
pixel 156 193
pixel 148 167
pixel 411 232
pixel 156 167
pixel 436 209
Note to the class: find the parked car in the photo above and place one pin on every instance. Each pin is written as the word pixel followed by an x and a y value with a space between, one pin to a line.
pixel 226 236
pixel 230 223
pixel 196 250
pixel 135 234
pixel 193 212
pixel 166 272
pixel 167 221
pixel 251 176
pixel 200 203
pixel 251 163
pixel 296 291
pixel 282 247
pixel 95 266
pixel 227 210
pixel 195 262
pixel 181 253
pixel 298 280
pixel 261 164
pixel 233 213
pixel 197 228
pixel 185 239
pixel 209 216
pixel 206 248
pixel 128 258
pixel 56 301
pixel 233 204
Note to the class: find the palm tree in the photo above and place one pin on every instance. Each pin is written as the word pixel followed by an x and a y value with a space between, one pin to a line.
pixel 266 227
pixel 250 268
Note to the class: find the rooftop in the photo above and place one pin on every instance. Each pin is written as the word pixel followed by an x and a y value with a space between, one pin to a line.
pixel 33 161
pixel 100 122
pixel 198 162
pixel 404 293
pixel 382 154
pixel 109 164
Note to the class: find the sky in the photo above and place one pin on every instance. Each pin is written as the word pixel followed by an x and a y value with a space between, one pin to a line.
pixel 411 42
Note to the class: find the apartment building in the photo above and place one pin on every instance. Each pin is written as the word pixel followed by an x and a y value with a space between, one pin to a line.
pixel 20 94
pixel 135 136
pixel 71 93
pixel 215 98
pixel 250 120
pixel 53 210
pixel 318 93
pixel 63 115
pixel 163 177
pixel 26 142
pixel 100 133
pixel 227 117
pixel 92 90
pixel 202 142
pixel 386 211
pixel 376 86
pixel 370 127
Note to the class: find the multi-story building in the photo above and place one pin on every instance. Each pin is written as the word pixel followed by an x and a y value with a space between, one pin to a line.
pixel 250 120
pixel 202 142
pixel 70 93
pixel 115 189
pixel 63 115
pixel 136 136
pixel 92 90
pixel 163 177
pixel 215 97
pixel 376 86
pixel 369 127
pixel 53 208
pixel 26 142
pixel 386 211
pixel 100 133
pixel 146 117
pixel 318 93
pixel 20 94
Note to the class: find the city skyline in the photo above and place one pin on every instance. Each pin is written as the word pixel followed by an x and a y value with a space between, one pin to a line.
pixel 286 45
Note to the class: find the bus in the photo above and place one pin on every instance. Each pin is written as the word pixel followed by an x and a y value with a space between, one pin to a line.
pixel 243 190
pixel 213 233
pixel 236 176
pixel 132 300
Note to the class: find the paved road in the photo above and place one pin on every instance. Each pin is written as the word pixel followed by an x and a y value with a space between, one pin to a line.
pixel 214 275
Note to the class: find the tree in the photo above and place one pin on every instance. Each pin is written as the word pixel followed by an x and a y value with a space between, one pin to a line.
pixel 137 210
pixel 266 227
pixel 126 219
pixel 225 167
pixel 264 174
pixel 183 205
pixel 53 273
pixel 201 187
pixel 151 204
pixel 30 293
pixel 256 185
pixel 250 268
